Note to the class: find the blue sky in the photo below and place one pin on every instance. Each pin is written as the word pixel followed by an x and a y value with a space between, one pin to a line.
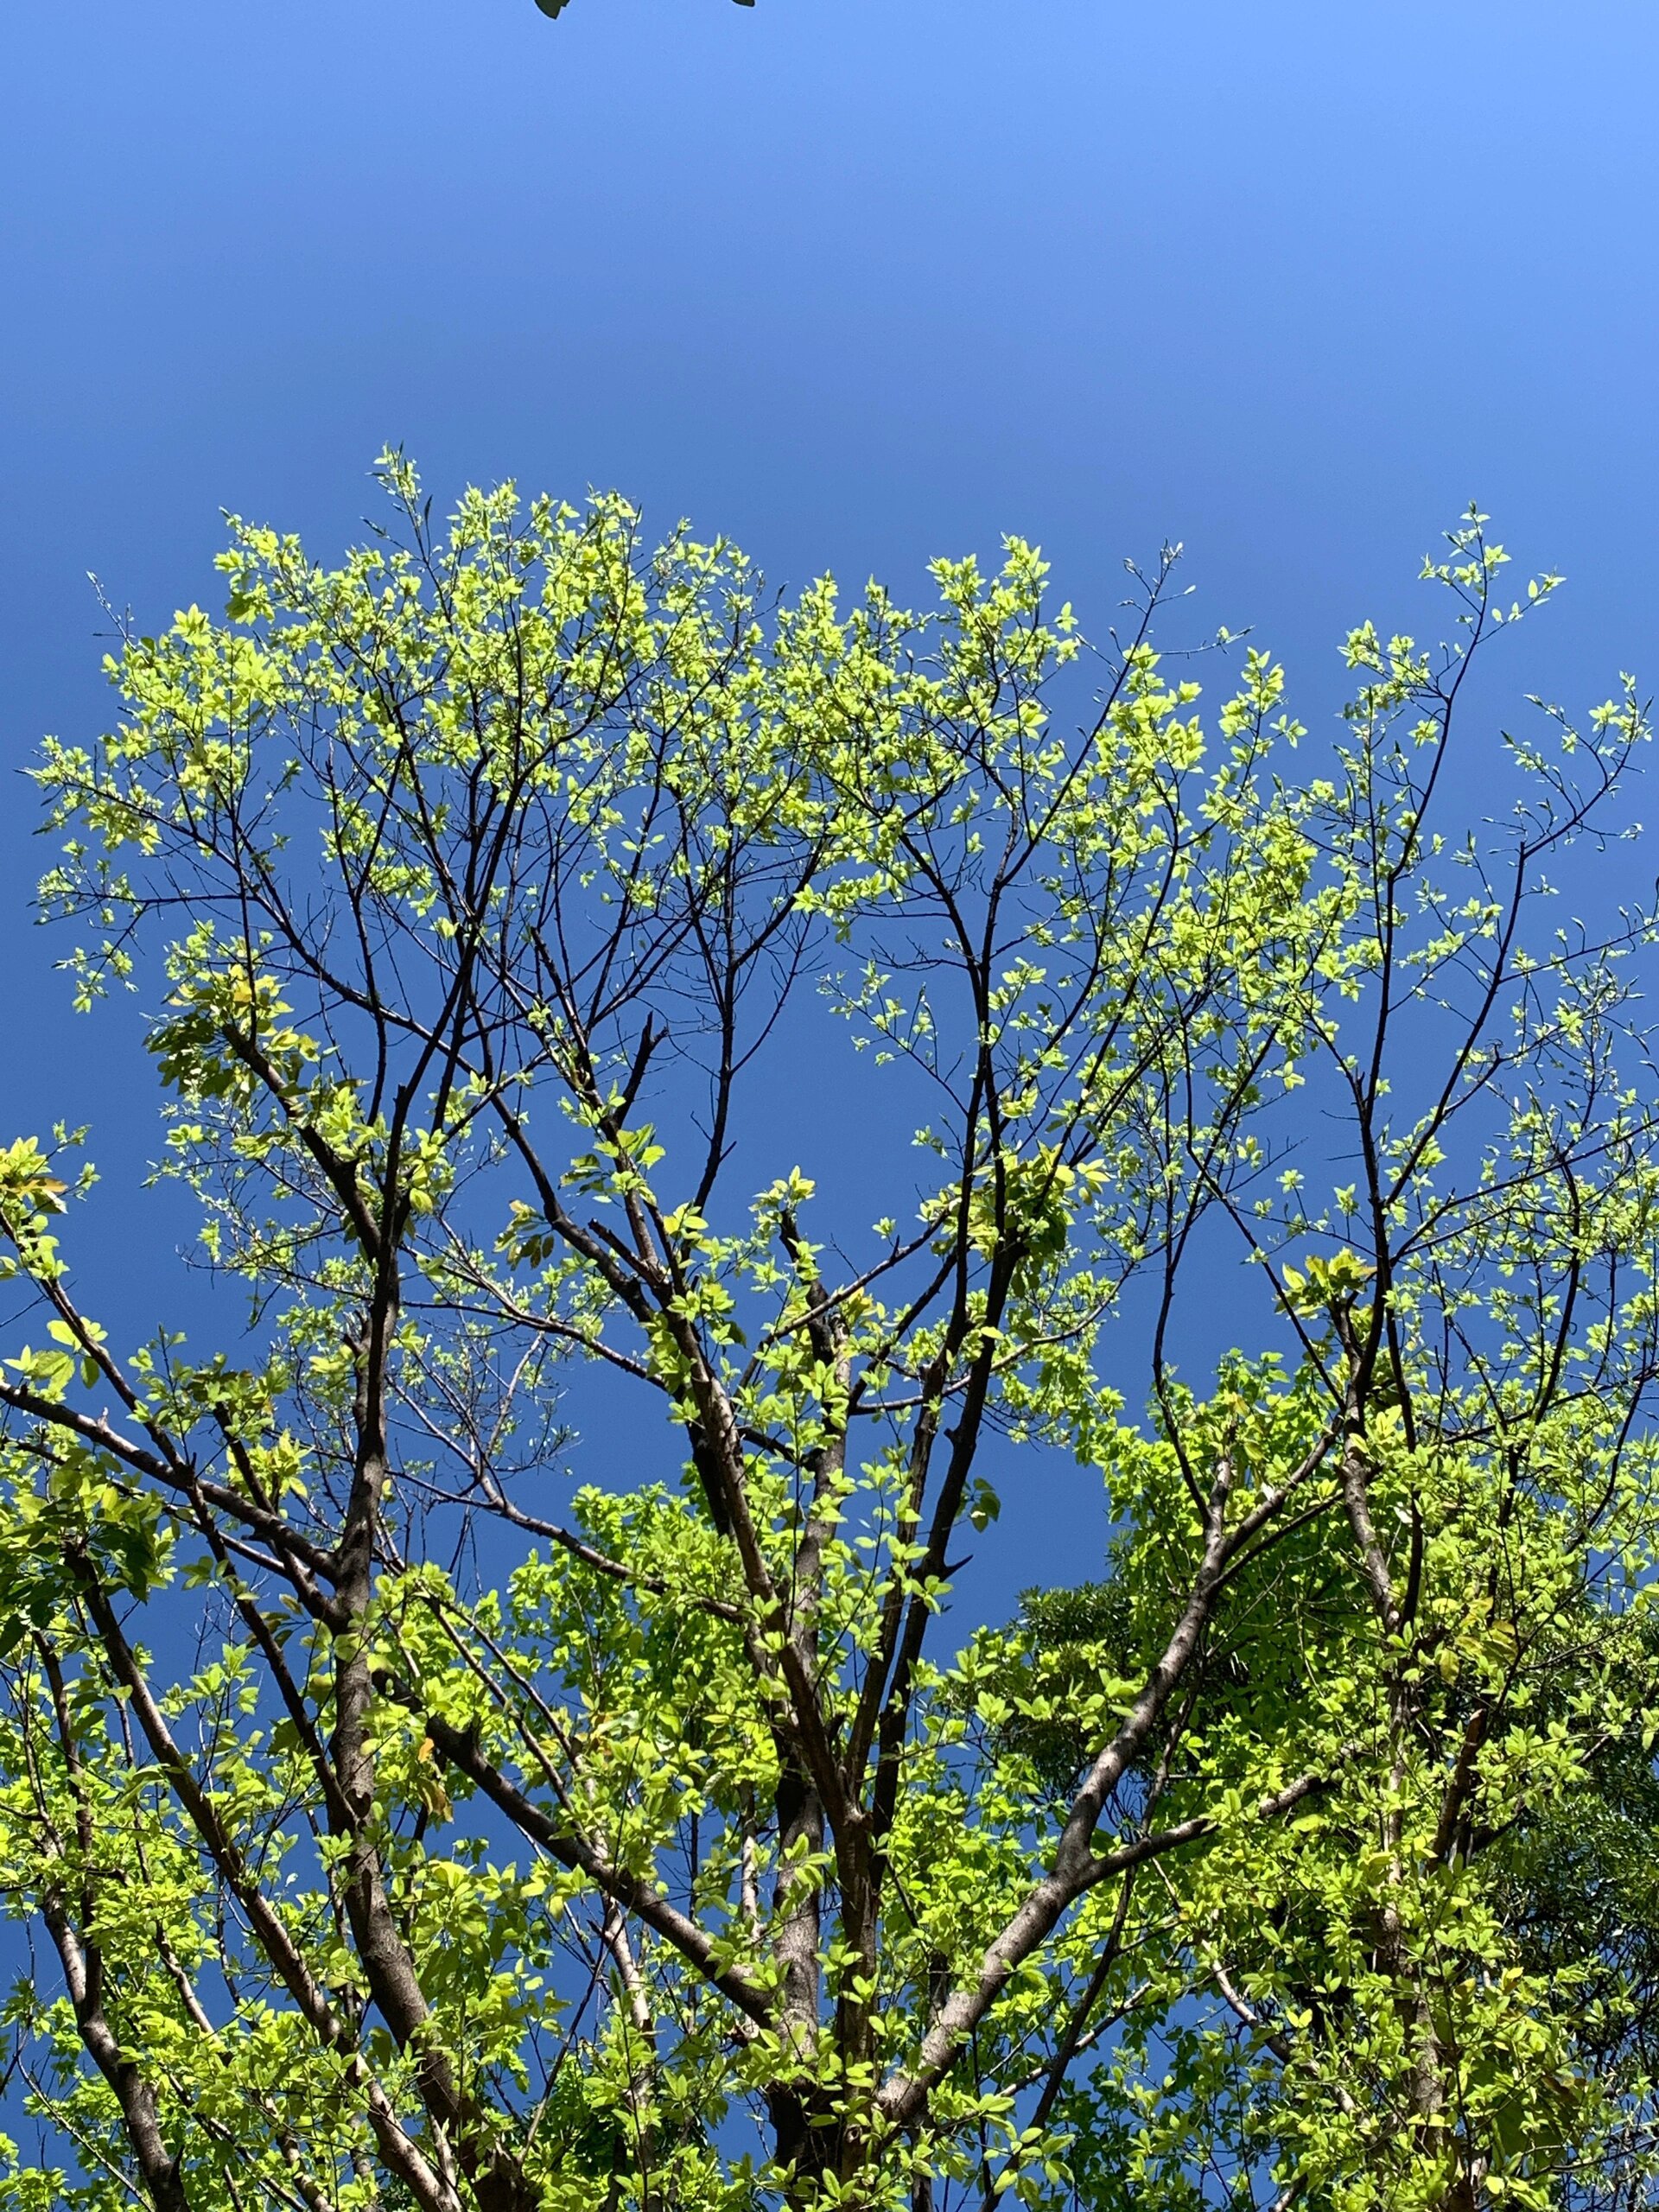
pixel 855 282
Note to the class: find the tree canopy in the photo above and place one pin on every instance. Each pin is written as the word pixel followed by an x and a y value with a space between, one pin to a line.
pixel 496 1730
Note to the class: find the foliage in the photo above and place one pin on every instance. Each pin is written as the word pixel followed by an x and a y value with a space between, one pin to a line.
pixel 405 1836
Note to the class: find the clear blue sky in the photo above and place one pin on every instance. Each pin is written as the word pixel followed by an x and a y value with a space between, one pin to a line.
pixel 855 280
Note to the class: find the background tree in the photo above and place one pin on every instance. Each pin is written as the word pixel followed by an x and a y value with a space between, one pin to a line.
pixel 410 1830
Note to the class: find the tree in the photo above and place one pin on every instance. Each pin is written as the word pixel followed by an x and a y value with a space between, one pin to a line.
pixel 410 1826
